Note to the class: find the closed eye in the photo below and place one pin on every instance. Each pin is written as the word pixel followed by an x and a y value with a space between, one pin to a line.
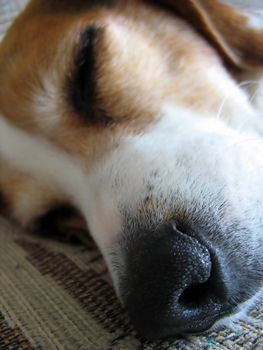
pixel 82 83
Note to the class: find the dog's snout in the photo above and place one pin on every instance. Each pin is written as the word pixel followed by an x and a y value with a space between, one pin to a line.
pixel 173 286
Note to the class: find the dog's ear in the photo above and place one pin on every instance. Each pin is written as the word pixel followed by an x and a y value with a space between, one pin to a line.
pixel 236 35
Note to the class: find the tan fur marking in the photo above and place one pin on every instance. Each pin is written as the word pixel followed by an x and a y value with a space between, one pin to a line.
pixel 218 21
pixel 26 198
pixel 134 103
pixel 156 68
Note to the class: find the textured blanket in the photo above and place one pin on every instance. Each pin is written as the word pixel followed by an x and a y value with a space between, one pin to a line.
pixel 55 295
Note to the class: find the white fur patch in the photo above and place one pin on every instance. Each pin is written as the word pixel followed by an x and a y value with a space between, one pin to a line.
pixel 95 192
pixel 186 150
pixel 183 147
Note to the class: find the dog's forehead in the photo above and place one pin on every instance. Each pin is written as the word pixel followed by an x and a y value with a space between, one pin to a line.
pixel 142 61
pixel 40 50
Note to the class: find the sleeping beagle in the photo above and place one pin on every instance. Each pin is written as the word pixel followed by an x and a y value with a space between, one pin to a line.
pixel 141 121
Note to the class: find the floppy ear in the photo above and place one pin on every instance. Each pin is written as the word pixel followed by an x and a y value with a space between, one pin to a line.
pixel 236 35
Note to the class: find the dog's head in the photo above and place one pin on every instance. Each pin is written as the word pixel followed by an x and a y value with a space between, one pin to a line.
pixel 130 109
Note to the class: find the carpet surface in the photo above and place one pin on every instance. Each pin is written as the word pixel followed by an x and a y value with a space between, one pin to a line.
pixel 59 296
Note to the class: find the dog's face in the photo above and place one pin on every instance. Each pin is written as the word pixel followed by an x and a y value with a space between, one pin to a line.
pixel 132 115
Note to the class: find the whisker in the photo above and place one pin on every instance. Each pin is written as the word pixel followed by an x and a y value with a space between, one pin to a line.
pixel 226 98
pixel 253 96
pixel 246 140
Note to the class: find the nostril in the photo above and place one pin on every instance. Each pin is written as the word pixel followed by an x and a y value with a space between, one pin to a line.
pixel 195 296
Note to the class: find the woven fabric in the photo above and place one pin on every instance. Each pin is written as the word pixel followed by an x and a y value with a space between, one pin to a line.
pixel 59 296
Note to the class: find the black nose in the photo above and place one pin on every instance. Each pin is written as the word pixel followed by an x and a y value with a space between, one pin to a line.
pixel 173 285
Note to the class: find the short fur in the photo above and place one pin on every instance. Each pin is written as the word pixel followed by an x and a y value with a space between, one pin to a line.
pixel 172 130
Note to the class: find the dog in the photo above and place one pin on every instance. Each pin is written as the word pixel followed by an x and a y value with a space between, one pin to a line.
pixel 141 122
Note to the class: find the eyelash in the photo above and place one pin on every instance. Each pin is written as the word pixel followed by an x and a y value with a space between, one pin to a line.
pixel 82 89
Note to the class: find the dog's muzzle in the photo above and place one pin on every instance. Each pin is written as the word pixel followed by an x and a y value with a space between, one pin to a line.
pixel 173 285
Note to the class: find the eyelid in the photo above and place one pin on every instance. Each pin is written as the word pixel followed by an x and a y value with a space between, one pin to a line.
pixel 82 88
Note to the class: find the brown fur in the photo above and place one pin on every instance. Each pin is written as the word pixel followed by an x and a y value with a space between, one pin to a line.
pixel 43 42
pixel 217 22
